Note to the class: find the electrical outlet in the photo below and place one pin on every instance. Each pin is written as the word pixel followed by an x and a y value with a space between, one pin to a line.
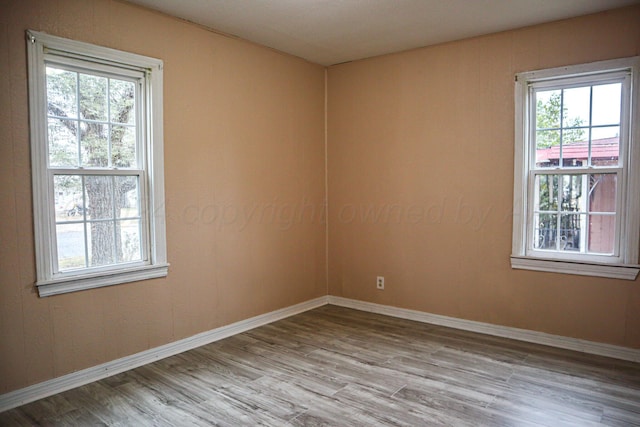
pixel 380 282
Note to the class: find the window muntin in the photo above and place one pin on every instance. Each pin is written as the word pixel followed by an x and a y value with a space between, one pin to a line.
pixel 577 169
pixel 97 162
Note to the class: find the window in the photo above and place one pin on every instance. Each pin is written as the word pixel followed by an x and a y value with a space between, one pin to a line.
pixel 577 170
pixel 97 165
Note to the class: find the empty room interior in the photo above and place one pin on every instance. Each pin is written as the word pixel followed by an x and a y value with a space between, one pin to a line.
pixel 412 212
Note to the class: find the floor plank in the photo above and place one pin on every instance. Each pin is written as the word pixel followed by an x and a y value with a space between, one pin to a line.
pixel 335 366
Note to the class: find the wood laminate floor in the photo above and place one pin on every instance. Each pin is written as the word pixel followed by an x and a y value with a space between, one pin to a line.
pixel 341 367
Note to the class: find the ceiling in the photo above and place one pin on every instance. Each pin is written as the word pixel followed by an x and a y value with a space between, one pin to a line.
pixel 329 32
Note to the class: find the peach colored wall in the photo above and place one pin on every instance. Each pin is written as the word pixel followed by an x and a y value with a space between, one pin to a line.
pixel 424 140
pixel 420 186
pixel 244 138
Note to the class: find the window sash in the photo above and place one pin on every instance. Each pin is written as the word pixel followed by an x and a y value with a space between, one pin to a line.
pixel 623 77
pixel 111 72
pixel 586 254
pixel 143 202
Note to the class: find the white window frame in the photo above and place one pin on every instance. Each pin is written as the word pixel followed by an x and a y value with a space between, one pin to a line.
pixel 41 49
pixel 623 264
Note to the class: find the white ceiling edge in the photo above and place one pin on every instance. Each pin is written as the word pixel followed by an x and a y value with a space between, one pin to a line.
pixel 329 32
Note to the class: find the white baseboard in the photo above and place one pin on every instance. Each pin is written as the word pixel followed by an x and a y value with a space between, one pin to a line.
pixel 75 379
pixel 575 344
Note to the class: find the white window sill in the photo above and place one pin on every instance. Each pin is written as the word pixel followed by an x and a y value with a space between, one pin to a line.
pixel 613 271
pixel 79 283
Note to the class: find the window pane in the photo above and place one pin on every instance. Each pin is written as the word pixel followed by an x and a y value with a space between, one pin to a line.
pixel 93 97
pixel 607 132
pixel 547 148
pixel 606 104
pixel 546 191
pixel 571 227
pixel 123 146
pixel 602 192
pixel 548 109
pixel 547 138
pixel 61 93
pixel 129 241
pixel 127 200
pixel 70 244
pixel 575 147
pixel 63 145
pixel 576 102
pixel 122 98
pixel 544 233
pixel 602 230
pixel 69 205
pixel 102 243
pixel 574 187
pixel 94 145
pixel 605 147
pixel 99 194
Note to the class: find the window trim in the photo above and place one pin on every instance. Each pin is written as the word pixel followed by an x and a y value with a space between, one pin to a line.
pixel 39 45
pixel 625 265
